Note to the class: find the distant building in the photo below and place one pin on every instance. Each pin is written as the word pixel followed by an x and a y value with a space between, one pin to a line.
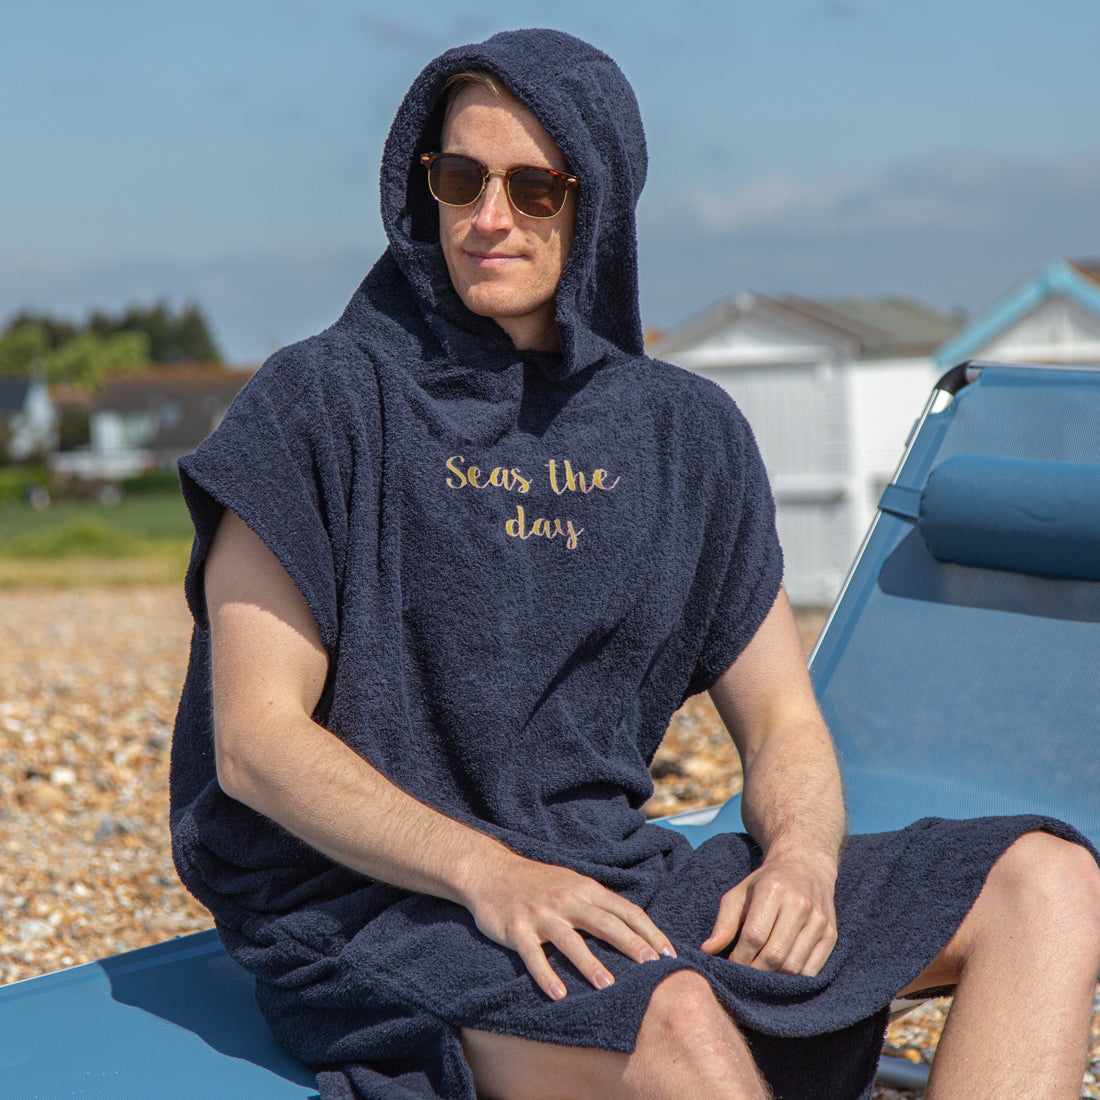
pixel 28 419
pixel 143 422
pixel 1052 317
pixel 831 387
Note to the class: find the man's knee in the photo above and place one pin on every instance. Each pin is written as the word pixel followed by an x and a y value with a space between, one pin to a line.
pixel 684 1004
pixel 697 1042
pixel 1046 868
pixel 1041 876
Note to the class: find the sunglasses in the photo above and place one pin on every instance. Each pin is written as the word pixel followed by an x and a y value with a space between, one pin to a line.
pixel 457 180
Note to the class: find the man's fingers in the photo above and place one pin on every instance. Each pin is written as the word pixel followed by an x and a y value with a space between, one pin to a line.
pixel 819 956
pixel 599 912
pixel 731 913
pixel 783 930
pixel 813 947
pixel 545 904
pixel 793 932
pixel 628 929
pixel 534 958
pixel 572 946
pixel 757 925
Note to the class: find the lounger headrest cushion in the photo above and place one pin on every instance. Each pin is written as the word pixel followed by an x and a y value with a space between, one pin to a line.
pixel 1041 518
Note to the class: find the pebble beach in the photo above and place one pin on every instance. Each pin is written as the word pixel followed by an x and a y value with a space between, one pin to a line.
pixel 89 680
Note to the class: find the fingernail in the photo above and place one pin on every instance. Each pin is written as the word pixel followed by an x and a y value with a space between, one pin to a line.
pixel 648 955
pixel 668 952
pixel 557 992
pixel 603 979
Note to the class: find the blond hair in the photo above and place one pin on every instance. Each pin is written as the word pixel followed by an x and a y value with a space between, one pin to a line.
pixel 473 78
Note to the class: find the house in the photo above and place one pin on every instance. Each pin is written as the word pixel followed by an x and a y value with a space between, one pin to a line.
pixel 28 419
pixel 1052 317
pixel 831 387
pixel 146 421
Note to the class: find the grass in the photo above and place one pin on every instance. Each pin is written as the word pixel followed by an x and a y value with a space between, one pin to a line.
pixel 145 538
pixel 153 515
pixel 91 572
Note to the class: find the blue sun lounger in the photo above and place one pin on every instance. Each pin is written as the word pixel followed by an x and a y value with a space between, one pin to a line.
pixel 958 673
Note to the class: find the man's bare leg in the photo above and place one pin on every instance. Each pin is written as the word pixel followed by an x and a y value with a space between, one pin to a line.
pixel 687 1046
pixel 1025 960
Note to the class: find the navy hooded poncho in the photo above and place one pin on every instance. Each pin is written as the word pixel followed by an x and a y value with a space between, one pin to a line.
pixel 520 565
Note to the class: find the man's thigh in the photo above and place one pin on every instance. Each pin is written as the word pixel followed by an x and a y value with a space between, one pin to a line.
pixel 506 1067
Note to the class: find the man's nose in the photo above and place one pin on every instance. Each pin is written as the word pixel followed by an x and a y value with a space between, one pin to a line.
pixel 494 211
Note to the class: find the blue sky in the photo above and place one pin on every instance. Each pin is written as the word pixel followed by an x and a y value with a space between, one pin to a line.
pixel 226 151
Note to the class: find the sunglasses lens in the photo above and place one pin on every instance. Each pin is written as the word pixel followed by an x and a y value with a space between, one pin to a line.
pixel 455 180
pixel 459 180
pixel 536 192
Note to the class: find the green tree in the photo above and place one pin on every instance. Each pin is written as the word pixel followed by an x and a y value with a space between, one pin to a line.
pixel 83 360
pixel 195 338
pixel 34 342
pixel 173 338
pixel 87 359
pixel 55 330
pixel 23 348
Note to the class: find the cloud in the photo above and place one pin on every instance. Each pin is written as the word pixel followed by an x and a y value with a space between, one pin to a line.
pixel 833 10
pixel 837 205
pixel 959 191
pixel 385 31
pixel 420 38
pixel 955 230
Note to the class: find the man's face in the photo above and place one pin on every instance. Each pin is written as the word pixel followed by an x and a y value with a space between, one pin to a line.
pixel 505 265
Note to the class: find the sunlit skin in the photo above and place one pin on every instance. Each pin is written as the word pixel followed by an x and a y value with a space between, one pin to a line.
pixel 505 265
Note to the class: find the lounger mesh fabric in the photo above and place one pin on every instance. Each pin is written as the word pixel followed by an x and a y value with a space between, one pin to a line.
pixel 960 689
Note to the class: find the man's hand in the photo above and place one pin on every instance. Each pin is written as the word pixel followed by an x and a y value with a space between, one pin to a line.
pixel 779 918
pixel 531 904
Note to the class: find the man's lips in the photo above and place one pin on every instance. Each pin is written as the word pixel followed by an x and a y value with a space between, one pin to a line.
pixel 490 259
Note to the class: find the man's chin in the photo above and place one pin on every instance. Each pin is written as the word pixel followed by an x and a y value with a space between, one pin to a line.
pixel 500 304
pixel 526 326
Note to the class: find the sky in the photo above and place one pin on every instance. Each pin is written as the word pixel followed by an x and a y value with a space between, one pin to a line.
pixel 225 152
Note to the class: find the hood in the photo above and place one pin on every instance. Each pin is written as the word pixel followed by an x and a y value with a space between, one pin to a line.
pixel 588 108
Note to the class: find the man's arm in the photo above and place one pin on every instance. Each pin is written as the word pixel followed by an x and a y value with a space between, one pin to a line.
pixel 782 915
pixel 269 670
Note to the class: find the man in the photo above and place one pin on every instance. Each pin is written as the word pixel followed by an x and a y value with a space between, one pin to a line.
pixel 457 561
